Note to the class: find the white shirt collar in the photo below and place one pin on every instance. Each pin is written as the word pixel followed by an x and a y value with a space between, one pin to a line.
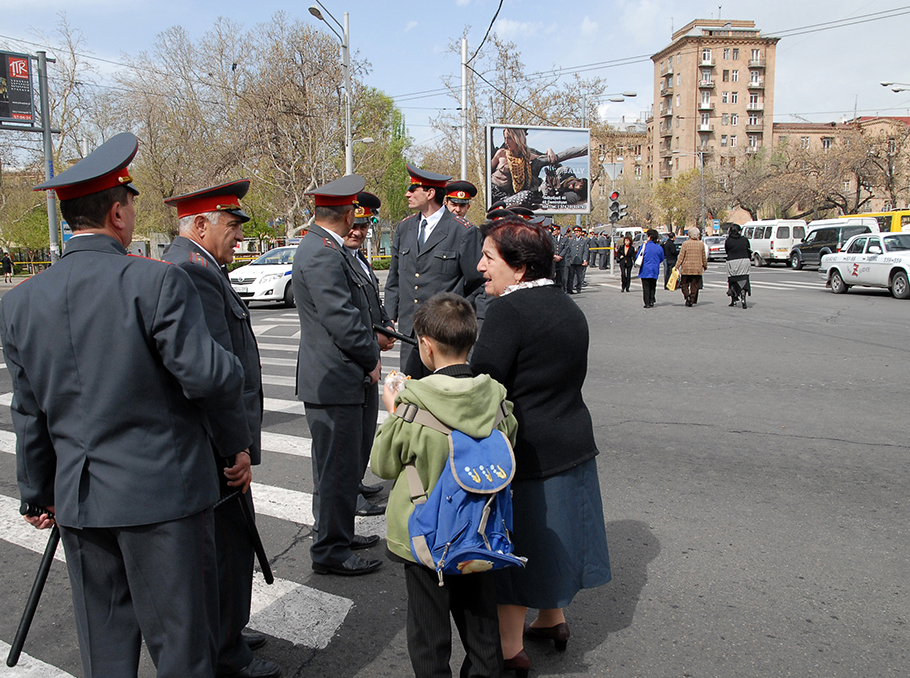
pixel 433 219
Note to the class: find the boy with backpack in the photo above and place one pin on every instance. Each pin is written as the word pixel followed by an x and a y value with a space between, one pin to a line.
pixel 446 330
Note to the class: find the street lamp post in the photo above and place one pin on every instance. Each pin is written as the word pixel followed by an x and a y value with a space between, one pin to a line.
pixel 897 86
pixel 346 67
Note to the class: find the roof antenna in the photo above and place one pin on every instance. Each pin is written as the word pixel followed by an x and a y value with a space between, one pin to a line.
pixel 718 12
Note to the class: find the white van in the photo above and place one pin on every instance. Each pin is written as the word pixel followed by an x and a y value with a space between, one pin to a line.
pixel 772 239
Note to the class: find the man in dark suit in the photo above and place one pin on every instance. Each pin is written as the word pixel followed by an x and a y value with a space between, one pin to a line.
pixel 113 368
pixel 671 254
pixel 576 256
pixel 605 254
pixel 211 224
pixel 367 209
pixel 337 367
pixel 432 251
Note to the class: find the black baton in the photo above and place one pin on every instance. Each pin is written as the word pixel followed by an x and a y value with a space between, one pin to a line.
pixel 250 523
pixel 37 588
pixel 396 335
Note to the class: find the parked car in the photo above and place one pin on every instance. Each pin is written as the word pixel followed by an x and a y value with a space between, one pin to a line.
pixel 267 278
pixel 715 245
pixel 872 260
pixel 827 236
pixel 772 239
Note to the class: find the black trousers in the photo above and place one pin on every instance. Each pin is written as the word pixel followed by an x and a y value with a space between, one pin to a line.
pixel 337 434
pixel 625 273
pixel 155 582
pixel 409 359
pixel 576 275
pixel 471 601
pixel 648 290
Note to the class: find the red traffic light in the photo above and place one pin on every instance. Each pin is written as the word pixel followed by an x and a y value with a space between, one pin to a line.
pixel 614 195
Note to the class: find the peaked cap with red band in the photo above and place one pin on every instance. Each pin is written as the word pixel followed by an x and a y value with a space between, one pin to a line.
pixel 340 192
pixel 367 206
pixel 523 212
pixel 421 177
pixel 460 192
pixel 103 168
pixel 221 198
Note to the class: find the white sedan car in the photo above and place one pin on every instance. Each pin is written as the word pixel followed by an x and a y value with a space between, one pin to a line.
pixel 872 260
pixel 268 278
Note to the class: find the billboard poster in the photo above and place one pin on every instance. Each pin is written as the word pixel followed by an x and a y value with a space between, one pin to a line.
pixel 16 100
pixel 546 169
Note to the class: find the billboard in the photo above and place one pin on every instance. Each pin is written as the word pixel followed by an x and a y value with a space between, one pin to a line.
pixel 546 169
pixel 16 100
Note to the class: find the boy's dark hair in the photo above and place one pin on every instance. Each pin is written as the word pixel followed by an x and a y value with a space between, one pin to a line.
pixel 90 210
pixel 449 320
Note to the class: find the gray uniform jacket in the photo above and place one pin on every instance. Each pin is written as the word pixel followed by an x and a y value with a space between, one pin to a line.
pixel 446 263
pixel 228 320
pixel 337 343
pixel 112 363
pixel 371 289
pixel 576 251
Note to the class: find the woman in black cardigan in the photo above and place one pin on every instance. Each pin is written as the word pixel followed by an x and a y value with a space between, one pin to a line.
pixel 535 341
pixel 625 259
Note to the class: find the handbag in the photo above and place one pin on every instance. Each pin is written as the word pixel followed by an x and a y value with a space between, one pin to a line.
pixel 674 280
pixel 641 255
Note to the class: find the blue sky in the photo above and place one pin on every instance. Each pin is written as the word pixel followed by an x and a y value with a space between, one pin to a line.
pixel 821 76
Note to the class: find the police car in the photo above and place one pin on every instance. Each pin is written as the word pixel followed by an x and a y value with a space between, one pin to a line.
pixel 871 260
pixel 267 278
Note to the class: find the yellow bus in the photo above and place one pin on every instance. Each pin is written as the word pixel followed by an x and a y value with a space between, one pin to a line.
pixel 895 220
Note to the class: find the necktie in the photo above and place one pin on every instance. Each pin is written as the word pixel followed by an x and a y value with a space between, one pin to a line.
pixel 422 234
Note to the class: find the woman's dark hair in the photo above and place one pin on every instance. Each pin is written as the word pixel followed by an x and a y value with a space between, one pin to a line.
pixel 735 230
pixel 653 235
pixel 521 243
pixel 629 238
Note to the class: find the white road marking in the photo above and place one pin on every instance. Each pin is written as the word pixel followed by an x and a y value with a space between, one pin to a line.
pixel 285 444
pixel 279 347
pixel 279 362
pixel 275 380
pixel 29 667
pixel 15 530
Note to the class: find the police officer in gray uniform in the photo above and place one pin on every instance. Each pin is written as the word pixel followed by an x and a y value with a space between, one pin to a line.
pixel 113 368
pixel 337 368
pixel 432 251
pixel 211 224
pixel 576 256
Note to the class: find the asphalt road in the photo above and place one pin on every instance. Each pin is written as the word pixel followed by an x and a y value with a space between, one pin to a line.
pixel 754 468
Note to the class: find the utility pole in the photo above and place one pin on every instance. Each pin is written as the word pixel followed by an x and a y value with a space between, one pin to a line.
pixel 464 109
pixel 53 229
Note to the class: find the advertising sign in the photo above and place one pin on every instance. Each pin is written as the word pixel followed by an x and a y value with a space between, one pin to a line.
pixel 16 100
pixel 546 169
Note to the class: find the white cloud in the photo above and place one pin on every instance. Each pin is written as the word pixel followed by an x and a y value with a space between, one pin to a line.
pixel 508 29
pixel 589 28
pixel 411 24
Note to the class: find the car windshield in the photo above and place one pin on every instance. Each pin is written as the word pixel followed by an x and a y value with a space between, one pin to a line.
pixel 280 256
pixel 895 243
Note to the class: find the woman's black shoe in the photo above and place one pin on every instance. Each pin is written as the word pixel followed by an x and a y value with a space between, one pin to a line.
pixel 559 634
pixel 520 664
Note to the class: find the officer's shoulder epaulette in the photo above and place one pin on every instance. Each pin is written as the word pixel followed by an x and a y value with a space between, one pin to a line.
pixel 412 217
pixel 328 242
pixel 197 258
pixel 464 222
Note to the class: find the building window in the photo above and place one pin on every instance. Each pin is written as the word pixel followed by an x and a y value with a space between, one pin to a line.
pixel 706 55
pixel 704 143
pixel 724 97
pixel 705 119
pixel 726 76
pixel 723 162
pixel 804 142
pixel 734 76
pixel 753 141
pixel 827 142
pixel 734 97
pixel 678 58
pixel 754 77
pixel 706 76
pixel 846 185
pixel 892 148
pixel 677 101
pixel 677 120
pixel 734 119
pixel 706 98
pixel 733 140
pixel 756 54
pixel 725 119
pixel 637 173
pixel 678 79
pixel 735 54
pixel 753 100
pixel 753 119
pixel 726 52
pixel 723 140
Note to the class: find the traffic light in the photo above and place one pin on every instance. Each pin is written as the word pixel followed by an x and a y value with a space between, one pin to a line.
pixel 615 208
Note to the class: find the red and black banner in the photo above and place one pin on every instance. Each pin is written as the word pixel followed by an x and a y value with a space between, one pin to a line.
pixel 16 100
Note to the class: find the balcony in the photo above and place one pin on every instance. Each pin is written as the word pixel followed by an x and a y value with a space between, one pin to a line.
pixel 752 149
pixel 666 112
pixel 666 153
pixel 757 63
pixel 668 69
pixel 666 174
pixel 703 106
pixel 706 84
pixel 705 128
pixel 755 129
pixel 667 132
pixel 755 107
pixel 707 62
pixel 757 84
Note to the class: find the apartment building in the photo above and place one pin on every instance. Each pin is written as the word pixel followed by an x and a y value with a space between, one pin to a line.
pixel 713 95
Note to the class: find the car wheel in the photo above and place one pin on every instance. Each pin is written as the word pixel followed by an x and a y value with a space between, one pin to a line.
pixel 838 286
pixel 757 260
pixel 795 262
pixel 900 288
pixel 289 295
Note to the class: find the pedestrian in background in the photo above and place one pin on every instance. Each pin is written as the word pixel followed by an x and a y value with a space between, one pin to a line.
pixel 653 254
pixel 671 252
pixel 692 262
pixel 625 259
pixel 7 268
pixel 739 262
pixel 604 242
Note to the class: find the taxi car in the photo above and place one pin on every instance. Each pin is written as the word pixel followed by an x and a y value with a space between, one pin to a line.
pixel 267 278
pixel 872 260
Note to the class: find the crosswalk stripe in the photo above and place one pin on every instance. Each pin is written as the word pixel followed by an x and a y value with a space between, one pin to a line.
pixel 278 347
pixel 276 380
pixel 279 362
pixel 285 444
pixel 15 530
pixel 29 667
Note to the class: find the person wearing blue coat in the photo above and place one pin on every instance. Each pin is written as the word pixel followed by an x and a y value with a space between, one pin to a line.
pixel 650 267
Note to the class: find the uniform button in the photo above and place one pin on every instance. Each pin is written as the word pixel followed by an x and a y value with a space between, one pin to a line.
pixel 416 287
pixel 416 275
pixel 415 301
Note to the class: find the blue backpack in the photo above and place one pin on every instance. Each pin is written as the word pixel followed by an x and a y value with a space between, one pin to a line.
pixel 465 523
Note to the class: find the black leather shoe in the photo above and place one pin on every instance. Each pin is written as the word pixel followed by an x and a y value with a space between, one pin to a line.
pixel 352 567
pixel 364 542
pixel 258 668
pixel 369 509
pixel 370 490
pixel 254 640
